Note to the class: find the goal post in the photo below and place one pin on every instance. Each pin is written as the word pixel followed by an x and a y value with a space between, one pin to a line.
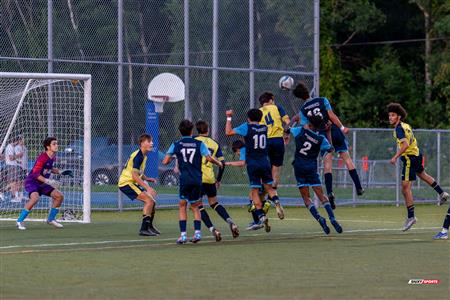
pixel 34 106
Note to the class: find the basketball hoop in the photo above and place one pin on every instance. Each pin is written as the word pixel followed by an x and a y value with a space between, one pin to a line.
pixel 159 101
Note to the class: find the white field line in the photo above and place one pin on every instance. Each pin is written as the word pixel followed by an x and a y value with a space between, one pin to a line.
pixel 340 220
pixel 312 234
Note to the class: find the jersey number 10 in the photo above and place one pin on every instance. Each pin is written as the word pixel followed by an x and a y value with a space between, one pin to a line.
pixel 259 141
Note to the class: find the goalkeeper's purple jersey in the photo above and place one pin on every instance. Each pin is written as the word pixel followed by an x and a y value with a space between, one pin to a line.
pixel 42 167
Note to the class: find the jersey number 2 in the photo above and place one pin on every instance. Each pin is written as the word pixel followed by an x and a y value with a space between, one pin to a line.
pixel 188 152
pixel 306 147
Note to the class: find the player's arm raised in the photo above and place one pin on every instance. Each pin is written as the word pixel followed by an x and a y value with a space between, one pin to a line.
pixel 228 127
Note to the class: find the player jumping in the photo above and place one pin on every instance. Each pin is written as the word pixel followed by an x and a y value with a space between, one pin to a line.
pixel 258 165
pixel 189 153
pixel 211 184
pixel 334 131
pixel 38 183
pixel 308 146
pixel 132 182
pixel 273 118
pixel 409 153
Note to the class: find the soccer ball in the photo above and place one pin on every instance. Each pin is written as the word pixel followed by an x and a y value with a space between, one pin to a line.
pixel 286 83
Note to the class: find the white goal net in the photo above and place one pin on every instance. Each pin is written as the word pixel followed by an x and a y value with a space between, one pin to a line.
pixel 32 108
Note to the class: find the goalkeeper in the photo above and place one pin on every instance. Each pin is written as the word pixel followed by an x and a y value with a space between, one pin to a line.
pixel 38 183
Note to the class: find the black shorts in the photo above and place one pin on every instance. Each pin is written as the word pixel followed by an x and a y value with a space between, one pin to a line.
pixel 209 189
pixel 275 149
pixel 259 173
pixel 132 190
pixel 412 165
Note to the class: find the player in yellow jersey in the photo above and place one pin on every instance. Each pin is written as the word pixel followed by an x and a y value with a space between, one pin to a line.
pixel 409 153
pixel 132 182
pixel 209 182
pixel 273 117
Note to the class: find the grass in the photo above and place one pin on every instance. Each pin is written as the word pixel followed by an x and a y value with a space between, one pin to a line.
pixel 380 193
pixel 106 259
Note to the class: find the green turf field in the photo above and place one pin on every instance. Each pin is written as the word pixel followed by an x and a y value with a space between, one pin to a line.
pixel 106 259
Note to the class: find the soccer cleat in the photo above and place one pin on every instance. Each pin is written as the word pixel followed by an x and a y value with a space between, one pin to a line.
pixel 336 225
pixel 55 224
pixel 182 240
pixel 147 233
pixel 153 229
pixel 267 227
pixel 280 210
pixel 217 235
pixel 197 237
pixel 21 225
pixel 441 236
pixel 234 230
pixel 323 223
pixel 443 197
pixel 409 223
pixel 360 192
pixel 331 198
pixel 255 226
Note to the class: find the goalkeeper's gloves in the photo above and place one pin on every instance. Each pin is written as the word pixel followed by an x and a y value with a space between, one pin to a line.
pixel 54 183
pixel 67 173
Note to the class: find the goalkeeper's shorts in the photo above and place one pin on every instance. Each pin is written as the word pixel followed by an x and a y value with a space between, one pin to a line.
pixel 41 189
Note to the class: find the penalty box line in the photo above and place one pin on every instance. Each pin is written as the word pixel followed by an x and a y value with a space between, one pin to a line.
pixel 154 242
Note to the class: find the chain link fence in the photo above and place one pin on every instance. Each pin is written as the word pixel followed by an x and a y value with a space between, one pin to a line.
pixel 227 52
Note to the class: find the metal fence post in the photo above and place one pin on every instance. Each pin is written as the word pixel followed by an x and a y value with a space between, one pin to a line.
pixel 354 161
pixel 397 183
pixel 438 160
pixel 120 94
pixel 316 48
pixel 251 50
pixel 187 104
pixel 50 65
pixel 215 72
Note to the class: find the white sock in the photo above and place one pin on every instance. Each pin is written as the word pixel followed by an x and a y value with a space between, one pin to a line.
pixel 444 230
pixel 211 229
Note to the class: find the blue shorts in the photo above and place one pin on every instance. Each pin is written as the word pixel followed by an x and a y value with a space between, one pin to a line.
pixel 131 190
pixel 275 149
pixel 191 192
pixel 338 140
pixel 412 165
pixel 307 176
pixel 259 173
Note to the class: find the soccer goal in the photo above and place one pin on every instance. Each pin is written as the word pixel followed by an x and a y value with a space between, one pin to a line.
pixel 34 106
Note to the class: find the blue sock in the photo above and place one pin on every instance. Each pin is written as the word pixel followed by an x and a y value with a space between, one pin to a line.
pixel 259 213
pixel 205 217
pixel 329 210
pixel 275 198
pixel 52 214
pixel 313 211
pixel 221 211
pixel 23 215
pixel 255 217
pixel 328 182
pixel 437 187
pixel 197 225
pixel 355 178
pixel 410 211
pixel 447 220
pixel 182 225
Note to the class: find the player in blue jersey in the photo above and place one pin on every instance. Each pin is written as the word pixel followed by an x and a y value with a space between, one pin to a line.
pixel 333 129
pixel 38 183
pixel 308 146
pixel 189 153
pixel 238 148
pixel 258 166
